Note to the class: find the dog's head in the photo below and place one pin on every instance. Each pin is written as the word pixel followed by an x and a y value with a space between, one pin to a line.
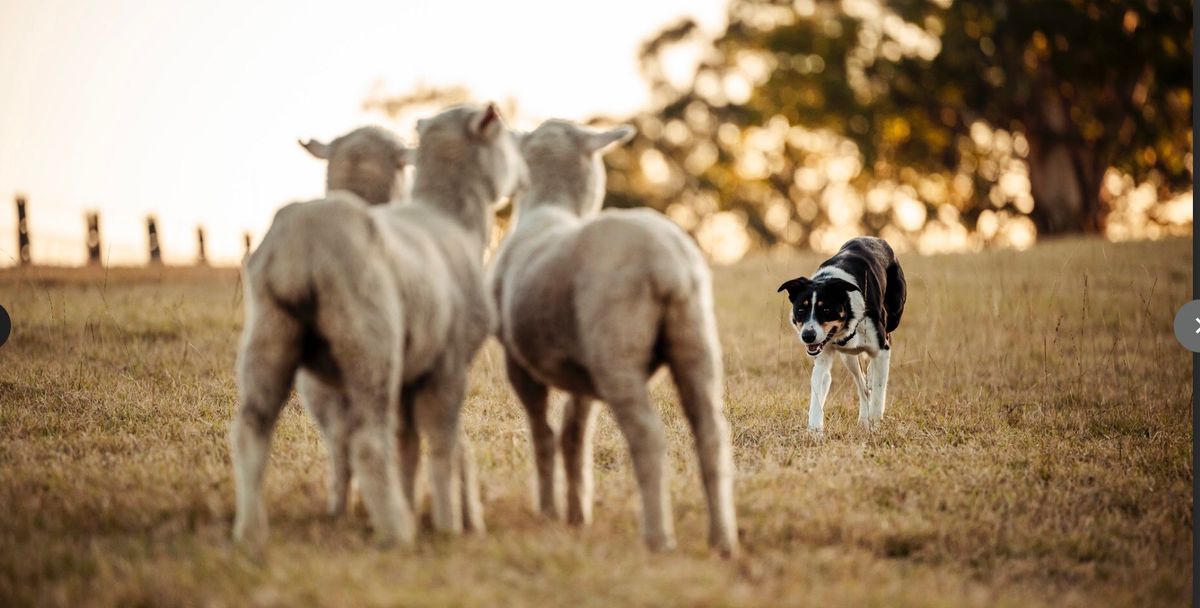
pixel 822 309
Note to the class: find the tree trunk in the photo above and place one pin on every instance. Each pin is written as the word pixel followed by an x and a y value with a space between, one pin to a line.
pixel 1065 180
pixel 1065 172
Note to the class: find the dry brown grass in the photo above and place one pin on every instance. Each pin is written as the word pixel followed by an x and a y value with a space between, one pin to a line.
pixel 1037 451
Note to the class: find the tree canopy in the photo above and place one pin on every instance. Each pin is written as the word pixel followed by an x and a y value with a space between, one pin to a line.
pixel 811 119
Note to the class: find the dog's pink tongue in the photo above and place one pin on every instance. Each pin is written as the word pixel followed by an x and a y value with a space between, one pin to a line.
pixel 813 348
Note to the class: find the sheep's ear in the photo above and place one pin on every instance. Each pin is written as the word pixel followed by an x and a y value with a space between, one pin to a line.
pixel 405 156
pixel 486 123
pixel 602 141
pixel 315 147
pixel 794 285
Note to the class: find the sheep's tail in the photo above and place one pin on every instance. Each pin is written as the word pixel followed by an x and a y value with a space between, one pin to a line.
pixel 683 282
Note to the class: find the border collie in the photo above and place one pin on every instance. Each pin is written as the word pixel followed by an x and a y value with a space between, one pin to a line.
pixel 850 306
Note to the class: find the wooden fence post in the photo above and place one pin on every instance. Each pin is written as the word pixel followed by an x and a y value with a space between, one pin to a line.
pixel 152 233
pixel 23 233
pixel 93 238
pixel 201 257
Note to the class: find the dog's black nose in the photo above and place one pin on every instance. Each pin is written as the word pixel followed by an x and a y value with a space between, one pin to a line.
pixel 809 336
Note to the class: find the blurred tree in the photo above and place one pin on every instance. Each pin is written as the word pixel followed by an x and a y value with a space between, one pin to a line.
pixel 403 109
pixel 912 110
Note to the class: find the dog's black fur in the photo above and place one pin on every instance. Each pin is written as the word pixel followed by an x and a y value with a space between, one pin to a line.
pixel 872 263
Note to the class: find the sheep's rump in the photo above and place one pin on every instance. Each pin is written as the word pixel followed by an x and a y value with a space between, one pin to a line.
pixel 611 283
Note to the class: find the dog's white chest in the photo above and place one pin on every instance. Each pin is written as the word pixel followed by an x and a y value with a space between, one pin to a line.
pixel 865 340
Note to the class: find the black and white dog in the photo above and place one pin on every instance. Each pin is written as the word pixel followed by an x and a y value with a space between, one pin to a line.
pixel 851 305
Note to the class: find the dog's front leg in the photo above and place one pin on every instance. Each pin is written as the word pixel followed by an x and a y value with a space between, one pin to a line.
pixel 878 378
pixel 820 389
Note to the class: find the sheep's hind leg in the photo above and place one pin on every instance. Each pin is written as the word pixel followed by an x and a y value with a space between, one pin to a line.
pixel 371 369
pixel 578 426
pixel 409 441
pixel 472 503
pixel 626 395
pixel 266 368
pixel 698 379
pixel 437 406
pixel 534 397
pixel 328 405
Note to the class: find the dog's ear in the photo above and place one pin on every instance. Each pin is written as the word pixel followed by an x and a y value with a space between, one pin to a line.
pixel 794 285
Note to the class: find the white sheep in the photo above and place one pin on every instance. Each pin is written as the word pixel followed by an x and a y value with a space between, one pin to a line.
pixel 594 303
pixel 382 305
pixel 368 161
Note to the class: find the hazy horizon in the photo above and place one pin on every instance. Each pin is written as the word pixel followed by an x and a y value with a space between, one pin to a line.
pixel 191 111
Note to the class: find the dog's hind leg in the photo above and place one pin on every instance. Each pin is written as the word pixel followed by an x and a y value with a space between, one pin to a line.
pixel 578 426
pixel 266 367
pixel 534 396
pixel 860 385
pixel 878 381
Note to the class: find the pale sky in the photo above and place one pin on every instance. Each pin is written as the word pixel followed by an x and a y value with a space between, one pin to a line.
pixel 190 109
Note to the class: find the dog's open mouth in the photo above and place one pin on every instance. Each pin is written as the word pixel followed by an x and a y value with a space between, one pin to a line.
pixel 815 349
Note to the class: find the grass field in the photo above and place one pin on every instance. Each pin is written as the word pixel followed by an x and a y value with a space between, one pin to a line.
pixel 1036 451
